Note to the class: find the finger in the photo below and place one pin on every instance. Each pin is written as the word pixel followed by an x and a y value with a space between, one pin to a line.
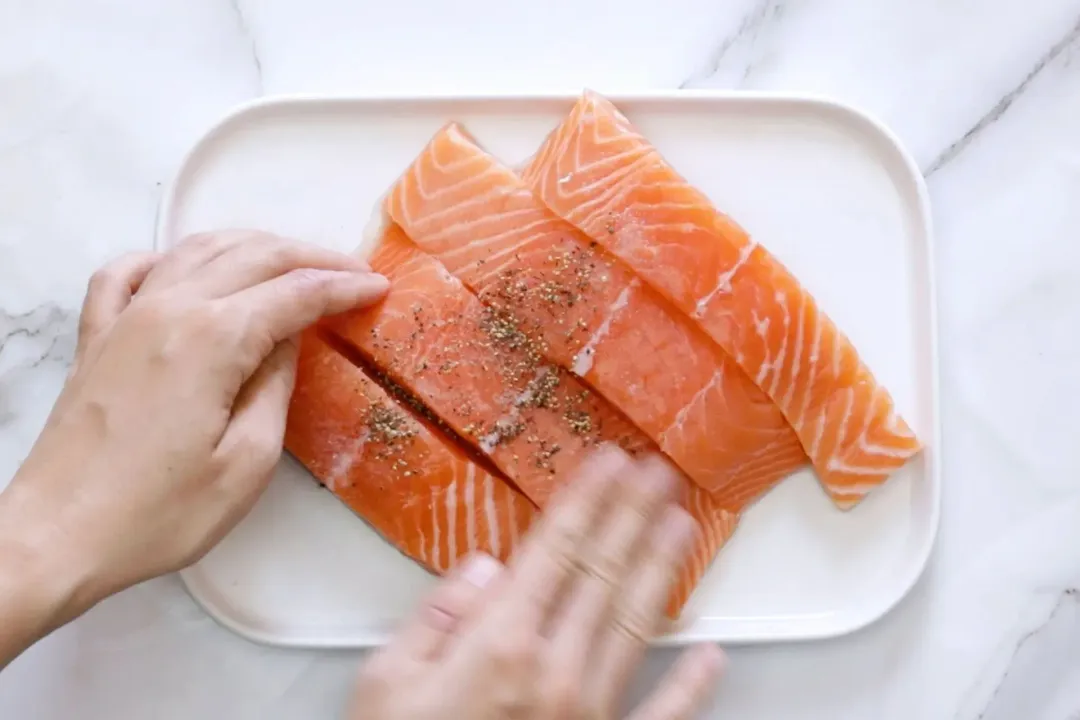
pixel 640 609
pixel 552 553
pixel 289 304
pixel 453 600
pixel 264 257
pixel 251 445
pixel 110 291
pixel 686 687
pixel 225 255
pixel 192 253
pixel 640 495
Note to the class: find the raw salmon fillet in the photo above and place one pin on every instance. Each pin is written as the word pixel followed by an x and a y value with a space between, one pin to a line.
pixel 593 316
pixel 414 487
pixel 485 379
pixel 600 174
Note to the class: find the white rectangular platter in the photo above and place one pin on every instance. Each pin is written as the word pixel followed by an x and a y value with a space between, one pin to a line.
pixel 825 188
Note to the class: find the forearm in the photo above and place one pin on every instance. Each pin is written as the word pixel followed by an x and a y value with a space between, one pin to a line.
pixel 43 583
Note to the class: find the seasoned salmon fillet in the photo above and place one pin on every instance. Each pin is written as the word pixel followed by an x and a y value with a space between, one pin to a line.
pixel 411 484
pixel 489 383
pixel 596 171
pixel 591 315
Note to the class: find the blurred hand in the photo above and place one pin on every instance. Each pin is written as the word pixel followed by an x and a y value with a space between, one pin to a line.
pixel 559 633
pixel 172 417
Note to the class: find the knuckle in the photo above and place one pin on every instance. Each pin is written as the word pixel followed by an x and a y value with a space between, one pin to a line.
pixel 201 240
pixel 605 565
pixel 103 277
pixel 211 322
pixel 87 324
pixel 513 649
pixel 256 451
pixel 439 614
pixel 635 624
pixel 154 312
pixel 258 341
pixel 304 280
pixel 565 542
pixel 280 253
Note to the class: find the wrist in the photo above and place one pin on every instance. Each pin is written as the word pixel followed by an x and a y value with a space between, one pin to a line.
pixel 44 580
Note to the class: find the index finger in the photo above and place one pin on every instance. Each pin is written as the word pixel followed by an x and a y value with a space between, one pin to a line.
pixel 278 309
pixel 641 606
pixel 265 257
pixel 222 262
pixel 551 555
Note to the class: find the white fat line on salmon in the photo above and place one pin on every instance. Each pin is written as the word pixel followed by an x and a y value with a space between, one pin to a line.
pixel 423 542
pixel 761 327
pixel 767 458
pixel 427 233
pixel 441 168
pixel 480 239
pixel 838 347
pixel 470 506
pixel 446 277
pixel 900 429
pixel 882 450
pixel 612 173
pixel 491 516
pixel 700 395
pixel 777 366
pixel 893 423
pixel 427 200
pixel 594 203
pixel 820 419
pixel 724 283
pixel 344 461
pixel 511 249
pixel 841 432
pixel 811 377
pixel 513 526
pixel 451 522
pixel 583 361
pixel 436 549
pixel 793 376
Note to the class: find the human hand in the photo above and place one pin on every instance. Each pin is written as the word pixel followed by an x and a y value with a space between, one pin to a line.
pixel 557 634
pixel 173 414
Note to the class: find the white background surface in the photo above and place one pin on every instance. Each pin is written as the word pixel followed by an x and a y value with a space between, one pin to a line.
pixel 98 100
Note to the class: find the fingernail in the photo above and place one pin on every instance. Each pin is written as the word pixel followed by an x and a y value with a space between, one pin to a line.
pixel 609 458
pixel 480 570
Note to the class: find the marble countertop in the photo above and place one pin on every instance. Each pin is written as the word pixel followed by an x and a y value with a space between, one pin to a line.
pixel 100 98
